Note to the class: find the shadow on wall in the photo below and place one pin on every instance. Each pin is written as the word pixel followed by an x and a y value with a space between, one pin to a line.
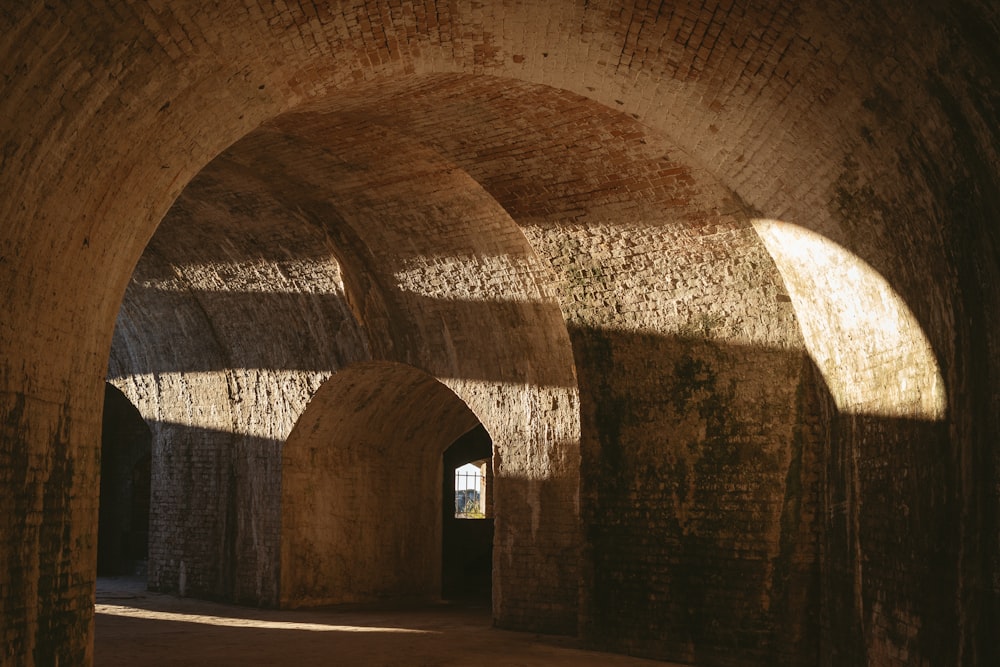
pixel 895 543
pixel 215 514
pixel 734 517
pixel 702 499
pixel 279 351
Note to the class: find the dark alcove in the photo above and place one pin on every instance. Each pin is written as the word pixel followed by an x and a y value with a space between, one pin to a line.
pixel 467 519
pixel 123 529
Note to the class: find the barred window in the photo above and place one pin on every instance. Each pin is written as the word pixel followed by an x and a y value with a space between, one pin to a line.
pixel 470 490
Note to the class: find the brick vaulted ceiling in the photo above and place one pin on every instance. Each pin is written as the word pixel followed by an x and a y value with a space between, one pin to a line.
pixel 517 194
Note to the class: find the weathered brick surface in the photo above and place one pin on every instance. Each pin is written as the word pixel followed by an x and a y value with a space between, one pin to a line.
pixel 873 124
pixel 703 524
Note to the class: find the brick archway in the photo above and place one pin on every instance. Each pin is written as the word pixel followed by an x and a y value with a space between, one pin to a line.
pixel 360 487
pixel 871 124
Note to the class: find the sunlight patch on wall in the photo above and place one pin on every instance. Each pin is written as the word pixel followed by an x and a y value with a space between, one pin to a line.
pixel 498 278
pixel 542 420
pixel 863 338
pixel 254 402
pixel 290 276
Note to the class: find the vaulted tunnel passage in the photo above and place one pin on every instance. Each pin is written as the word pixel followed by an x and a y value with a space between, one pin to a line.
pixel 718 281
pixel 363 230
pixel 299 215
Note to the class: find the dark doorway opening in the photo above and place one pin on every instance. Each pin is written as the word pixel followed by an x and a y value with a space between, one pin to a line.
pixel 467 518
pixel 126 455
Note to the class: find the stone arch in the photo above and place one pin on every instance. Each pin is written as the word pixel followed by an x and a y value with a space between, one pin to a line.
pixel 360 487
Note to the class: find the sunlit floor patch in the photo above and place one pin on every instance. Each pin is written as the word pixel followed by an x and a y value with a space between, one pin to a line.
pixel 152 615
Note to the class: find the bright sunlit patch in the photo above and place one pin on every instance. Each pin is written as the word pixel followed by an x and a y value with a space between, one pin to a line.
pixel 864 340
pixel 257 624
pixel 204 395
pixel 286 276
pixel 471 278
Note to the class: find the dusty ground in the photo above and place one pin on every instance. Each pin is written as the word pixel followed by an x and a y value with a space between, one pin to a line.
pixel 136 627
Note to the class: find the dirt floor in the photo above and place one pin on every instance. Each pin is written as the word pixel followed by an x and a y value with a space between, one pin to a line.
pixel 136 627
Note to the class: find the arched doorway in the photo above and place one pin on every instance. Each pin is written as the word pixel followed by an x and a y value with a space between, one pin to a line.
pixel 361 490
pixel 467 518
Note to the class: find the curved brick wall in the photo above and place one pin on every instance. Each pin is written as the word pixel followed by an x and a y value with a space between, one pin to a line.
pixel 550 208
